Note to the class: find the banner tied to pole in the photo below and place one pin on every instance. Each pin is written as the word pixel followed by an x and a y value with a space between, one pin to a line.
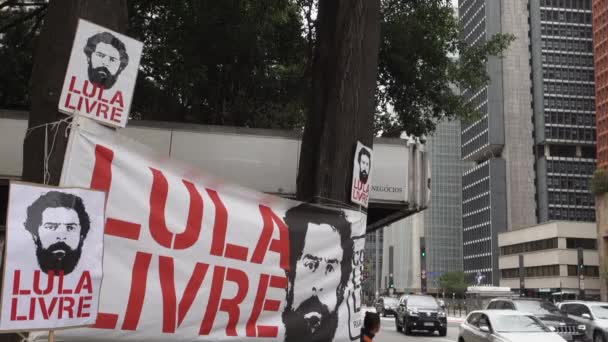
pixel 53 265
pixel 188 257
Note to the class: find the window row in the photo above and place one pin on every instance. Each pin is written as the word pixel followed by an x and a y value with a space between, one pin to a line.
pixel 475 128
pixel 481 232
pixel 531 246
pixel 572 214
pixel 534 271
pixel 570 198
pixel 574 243
pixel 576 4
pixel 484 246
pixel 571 183
pixel 572 104
pixel 588 271
pixel 569 89
pixel 476 219
pixel 568 59
pixel 571 74
pixel 565 16
pixel 570 166
pixel 570 133
pixel 477 189
pixel 478 263
pixel 566 31
pixel 475 144
pixel 476 204
pixel 566 118
pixel 477 174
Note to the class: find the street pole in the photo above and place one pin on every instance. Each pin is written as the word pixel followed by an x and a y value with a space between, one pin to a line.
pixel 377 265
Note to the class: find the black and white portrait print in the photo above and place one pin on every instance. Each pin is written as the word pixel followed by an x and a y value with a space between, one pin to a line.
pixel 321 251
pixel 106 57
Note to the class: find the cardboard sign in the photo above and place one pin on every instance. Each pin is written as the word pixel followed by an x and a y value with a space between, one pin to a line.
pixel 101 75
pixel 53 265
pixel 190 258
pixel 362 175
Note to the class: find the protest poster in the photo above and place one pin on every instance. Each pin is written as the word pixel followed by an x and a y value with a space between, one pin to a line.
pixel 191 258
pixel 101 75
pixel 362 168
pixel 53 261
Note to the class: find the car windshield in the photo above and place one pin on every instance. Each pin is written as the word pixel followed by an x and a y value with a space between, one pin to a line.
pixel 517 323
pixel 422 301
pixel 600 311
pixel 391 301
pixel 535 307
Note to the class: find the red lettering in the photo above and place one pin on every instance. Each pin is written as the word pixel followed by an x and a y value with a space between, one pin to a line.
pixel 49 282
pixel 139 279
pixel 261 303
pixel 117 98
pixel 219 232
pixel 17 284
pixel 91 92
pixel 66 304
pixel 83 305
pixel 68 101
pixel 230 306
pixel 14 307
pixel 106 321
pixel 100 96
pixel 85 283
pixel 158 226
pixel 102 109
pixel 167 284
pixel 47 312
pixel 72 88
pixel 90 106
pixel 266 242
pixel 116 114
pixel 32 308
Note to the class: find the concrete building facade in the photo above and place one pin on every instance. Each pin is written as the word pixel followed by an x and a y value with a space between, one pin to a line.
pixel 600 38
pixel 550 258
pixel 537 128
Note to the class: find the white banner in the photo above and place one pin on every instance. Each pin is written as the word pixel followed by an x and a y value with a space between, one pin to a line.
pixel 189 258
pixel 362 177
pixel 101 75
pixel 53 265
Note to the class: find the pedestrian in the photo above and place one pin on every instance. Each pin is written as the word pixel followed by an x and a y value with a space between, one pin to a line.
pixel 371 326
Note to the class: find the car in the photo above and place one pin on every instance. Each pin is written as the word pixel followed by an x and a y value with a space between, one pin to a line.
pixel 545 311
pixel 594 315
pixel 420 312
pixel 505 326
pixel 386 306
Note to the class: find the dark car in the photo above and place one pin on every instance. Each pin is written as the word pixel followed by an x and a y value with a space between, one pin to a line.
pixel 386 306
pixel 547 312
pixel 420 312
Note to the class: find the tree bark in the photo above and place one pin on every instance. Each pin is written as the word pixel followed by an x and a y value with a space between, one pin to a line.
pixel 50 64
pixel 344 81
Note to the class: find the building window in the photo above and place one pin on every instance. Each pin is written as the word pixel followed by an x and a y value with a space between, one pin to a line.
pixel 531 246
pixel 536 271
pixel 572 243
pixel 589 271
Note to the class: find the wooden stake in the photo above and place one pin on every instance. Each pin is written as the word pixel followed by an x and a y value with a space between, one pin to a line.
pixel 51 335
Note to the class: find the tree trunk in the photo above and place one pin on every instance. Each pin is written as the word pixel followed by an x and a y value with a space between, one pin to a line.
pixel 50 64
pixel 344 82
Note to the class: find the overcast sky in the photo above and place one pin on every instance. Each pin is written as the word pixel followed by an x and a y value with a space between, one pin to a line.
pixel 455 3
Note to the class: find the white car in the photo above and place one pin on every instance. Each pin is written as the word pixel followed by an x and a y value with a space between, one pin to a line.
pixel 505 326
pixel 594 315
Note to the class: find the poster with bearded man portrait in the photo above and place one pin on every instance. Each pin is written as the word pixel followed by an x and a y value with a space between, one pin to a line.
pixel 52 268
pixel 101 75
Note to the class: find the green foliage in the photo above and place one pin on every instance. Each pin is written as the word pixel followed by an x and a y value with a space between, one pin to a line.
pixel 423 63
pixel 599 182
pixel 453 282
pixel 248 62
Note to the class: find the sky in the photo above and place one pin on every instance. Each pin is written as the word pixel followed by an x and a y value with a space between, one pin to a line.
pixel 455 3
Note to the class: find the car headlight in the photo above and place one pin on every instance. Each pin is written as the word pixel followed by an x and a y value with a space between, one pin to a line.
pixel 386 308
pixel 413 312
pixel 441 314
pixel 582 327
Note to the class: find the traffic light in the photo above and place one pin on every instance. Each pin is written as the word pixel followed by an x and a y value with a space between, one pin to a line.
pixel 581 273
pixel 423 253
pixel 422 265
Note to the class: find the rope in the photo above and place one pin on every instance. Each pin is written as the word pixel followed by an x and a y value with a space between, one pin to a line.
pixel 48 151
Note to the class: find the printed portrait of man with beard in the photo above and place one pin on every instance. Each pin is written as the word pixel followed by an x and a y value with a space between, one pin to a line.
pixel 320 255
pixel 107 57
pixel 58 223
pixel 364 165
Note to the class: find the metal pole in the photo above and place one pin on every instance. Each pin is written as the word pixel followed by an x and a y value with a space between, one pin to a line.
pixel 377 264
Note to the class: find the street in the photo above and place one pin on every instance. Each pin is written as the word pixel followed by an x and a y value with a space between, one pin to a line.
pixel 388 333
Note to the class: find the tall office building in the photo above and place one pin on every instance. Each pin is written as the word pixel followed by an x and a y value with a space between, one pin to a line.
pixel 600 35
pixel 443 217
pixel 439 225
pixel 533 146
